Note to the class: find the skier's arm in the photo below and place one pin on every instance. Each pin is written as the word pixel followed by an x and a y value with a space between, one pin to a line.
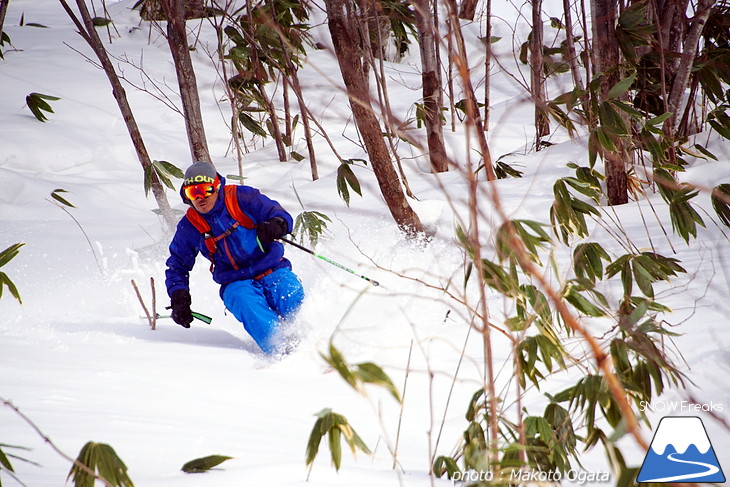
pixel 183 250
pixel 261 208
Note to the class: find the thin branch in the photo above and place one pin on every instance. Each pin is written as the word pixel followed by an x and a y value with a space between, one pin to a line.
pixel 50 443
pixel 144 307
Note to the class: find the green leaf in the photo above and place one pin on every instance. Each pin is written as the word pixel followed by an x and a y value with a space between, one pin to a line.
pixel 629 109
pixel 311 224
pixel 59 198
pixel 335 426
pixel 531 233
pixel 9 254
pixel 588 261
pixel 100 21
pixel 567 212
pixel 445 465
pixel 168 169
pixel 643 279
pixel 335 435
pixel 37 105
pixel 101 458
pixel 573 295
pixel 346 178
pixel 148 172
pixel 5 281
pixel 705 152
pixel 252 125
pixel 373 374
pixel 621 87
pixel 721 202
pixel 337 362
pixel 604 138
pixel 315 437
pixel 162 170
pixel 659 119
pixel 4 462
pixel 496 277
pixel 204 464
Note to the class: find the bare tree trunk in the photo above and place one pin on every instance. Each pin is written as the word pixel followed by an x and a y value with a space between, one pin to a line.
pixel 291 78
pixel 307 134
pixel 297 87
pixel 351 68
pixel 235 112
pixel 572 55
pixel 488 67
pixel 450 80
pixel 474 119
pixel 178 42
pixel 276 131
pixel 391 128
pixel 689 53
pixel 537 78
pixel 88 32
pixel 587 58
pixel 431 88
pixel 3 10
pixel 673 20
pixel 259 69
pixel 468 9
pixel 288 136
pixel 606 59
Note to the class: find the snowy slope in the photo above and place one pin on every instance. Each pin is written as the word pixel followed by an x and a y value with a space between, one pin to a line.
pixel 77 359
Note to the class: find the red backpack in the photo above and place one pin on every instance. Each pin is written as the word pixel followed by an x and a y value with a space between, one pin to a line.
pixel 211 241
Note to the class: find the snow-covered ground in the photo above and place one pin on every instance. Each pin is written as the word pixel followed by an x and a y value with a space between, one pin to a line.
pixel 78 360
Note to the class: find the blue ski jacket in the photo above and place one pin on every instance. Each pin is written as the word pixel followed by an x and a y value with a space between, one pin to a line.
pixel 239 256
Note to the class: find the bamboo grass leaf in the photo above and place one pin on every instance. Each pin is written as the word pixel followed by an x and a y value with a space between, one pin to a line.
pixel 56 196
pixel 373 374
pixel 721 202
pixel 102 459
pixel 204 464
pixel 621 87
pixel 334 426
pixel 4 462
pixel 37 105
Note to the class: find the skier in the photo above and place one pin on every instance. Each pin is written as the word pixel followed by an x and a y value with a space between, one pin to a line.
pixel 236 228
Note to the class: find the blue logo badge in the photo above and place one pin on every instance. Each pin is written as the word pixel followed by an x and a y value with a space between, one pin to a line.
pixel 681 452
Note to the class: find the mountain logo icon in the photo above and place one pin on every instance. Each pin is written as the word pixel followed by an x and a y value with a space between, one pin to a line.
pixel 681 452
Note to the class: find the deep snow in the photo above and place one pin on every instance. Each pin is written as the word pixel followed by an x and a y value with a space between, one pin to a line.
pixel 77 359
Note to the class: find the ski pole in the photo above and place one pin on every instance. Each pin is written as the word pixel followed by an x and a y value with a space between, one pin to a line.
pixel 329 261
pixel 200 316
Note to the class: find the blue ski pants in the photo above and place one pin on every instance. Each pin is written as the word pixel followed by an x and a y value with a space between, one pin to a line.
pixel 262 304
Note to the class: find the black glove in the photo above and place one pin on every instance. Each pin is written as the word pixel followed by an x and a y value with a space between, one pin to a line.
pixel 270 230
pixel 181 313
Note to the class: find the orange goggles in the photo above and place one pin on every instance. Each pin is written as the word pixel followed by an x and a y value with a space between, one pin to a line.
pixel 196 191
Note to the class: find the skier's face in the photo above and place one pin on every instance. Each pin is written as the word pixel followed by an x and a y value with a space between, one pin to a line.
pixel 205 203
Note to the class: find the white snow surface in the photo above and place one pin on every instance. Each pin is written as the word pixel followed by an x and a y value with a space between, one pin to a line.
pixel 78 361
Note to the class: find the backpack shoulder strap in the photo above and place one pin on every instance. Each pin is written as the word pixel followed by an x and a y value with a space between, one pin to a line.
pixel 234 208
pixel 204 228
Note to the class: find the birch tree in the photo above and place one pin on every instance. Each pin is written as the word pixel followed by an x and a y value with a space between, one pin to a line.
pixel 537 77
pixel 432 99
pixel 87 30
pixel 178 41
